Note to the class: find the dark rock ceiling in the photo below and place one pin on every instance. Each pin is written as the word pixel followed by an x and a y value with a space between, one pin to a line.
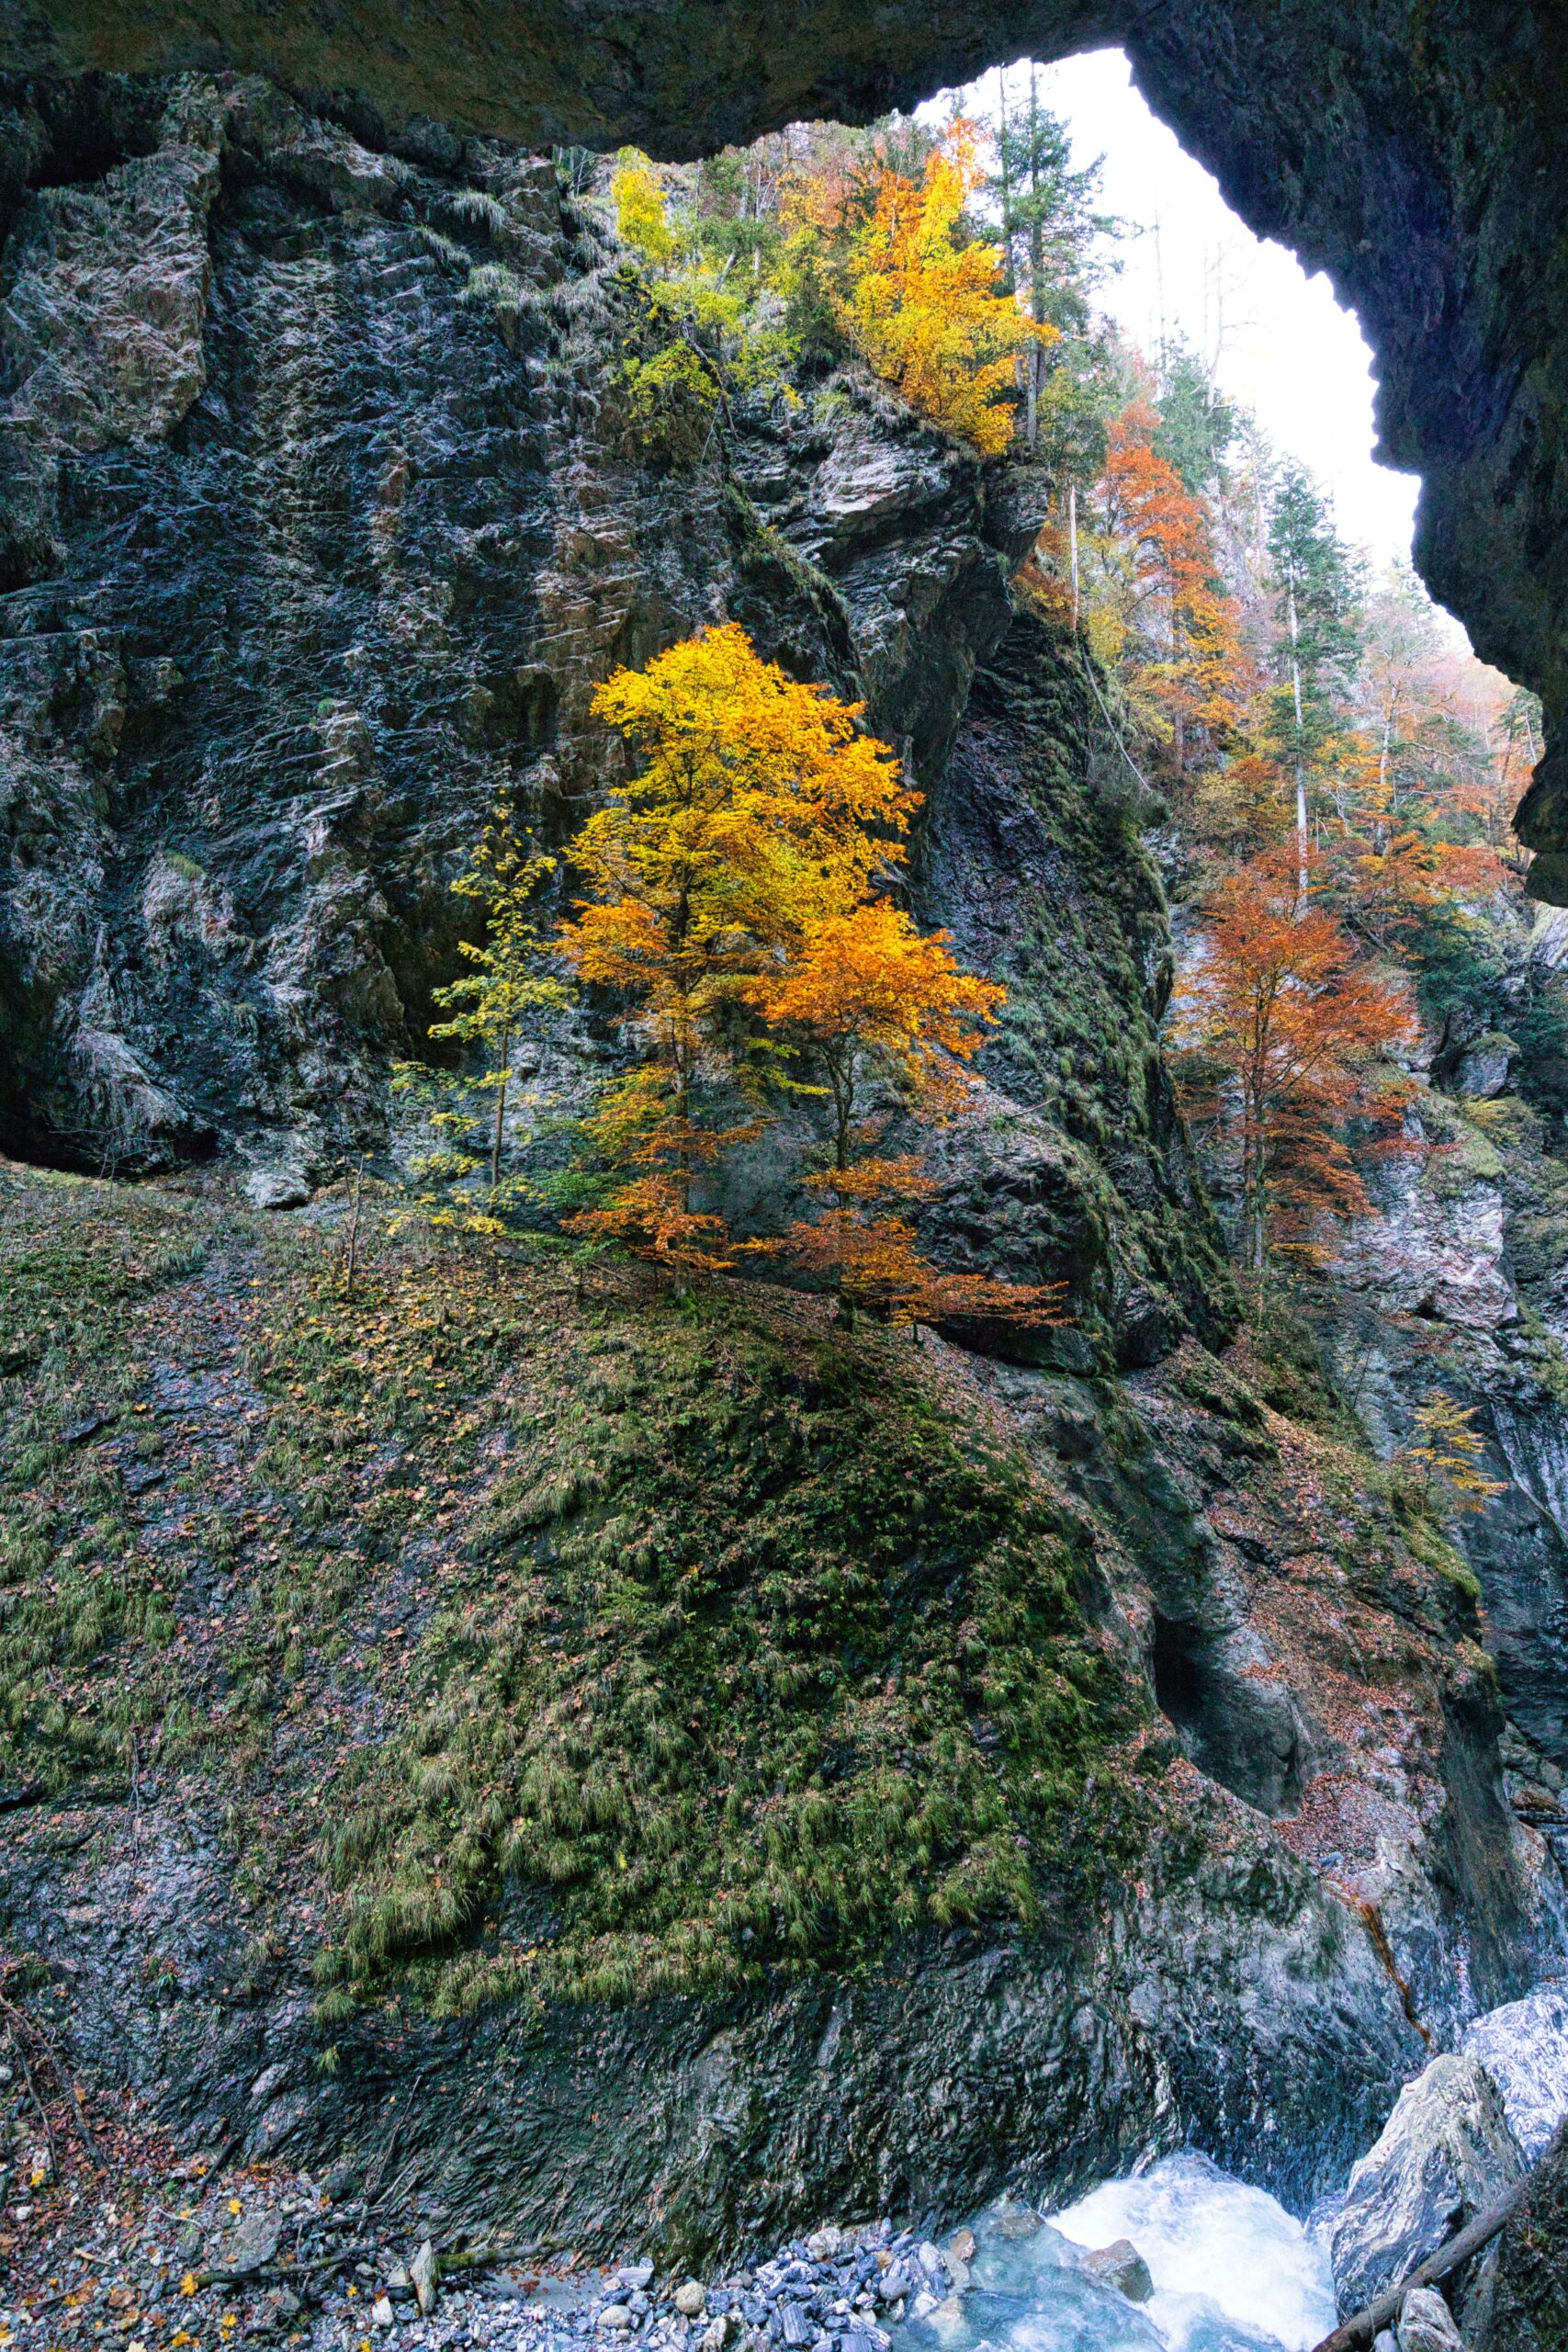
pixel 1415 149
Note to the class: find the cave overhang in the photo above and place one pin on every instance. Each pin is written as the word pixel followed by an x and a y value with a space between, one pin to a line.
pixel 1417 154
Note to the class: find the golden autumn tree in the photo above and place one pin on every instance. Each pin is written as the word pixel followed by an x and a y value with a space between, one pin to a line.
pixel 1282 1036
pixel 754 809
pixel 1448 1456
pixel 930 310
pixel 642 220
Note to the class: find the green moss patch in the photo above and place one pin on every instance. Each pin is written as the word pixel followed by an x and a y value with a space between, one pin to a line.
pixel 761 1659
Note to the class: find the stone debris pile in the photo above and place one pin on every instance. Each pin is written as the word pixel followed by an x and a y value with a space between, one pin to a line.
pixel 835 2291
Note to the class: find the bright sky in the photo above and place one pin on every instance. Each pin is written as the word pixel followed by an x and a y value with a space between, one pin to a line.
pixel 1280 344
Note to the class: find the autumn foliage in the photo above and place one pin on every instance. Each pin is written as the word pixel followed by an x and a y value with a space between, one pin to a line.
pixel 1198 677
pixel 932 311
pixel 746 816
pixel 730 907
pixel 1283 1037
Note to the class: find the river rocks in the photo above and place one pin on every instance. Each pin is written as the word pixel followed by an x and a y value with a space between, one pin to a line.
pixel 252 2245
pixel 1426 2324
pixel 421 2276
pixel 690 2298
pixel 1445 2155
pixel 1121 2265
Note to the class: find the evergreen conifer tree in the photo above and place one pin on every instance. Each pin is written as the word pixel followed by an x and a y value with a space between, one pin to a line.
pixel 1319 585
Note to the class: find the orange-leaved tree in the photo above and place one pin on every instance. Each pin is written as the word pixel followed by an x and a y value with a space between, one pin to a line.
pixel 867 987
pixel 868 997
pixel 1283 1037
pixel 1174 600
pixel 753 809
pixel 932 311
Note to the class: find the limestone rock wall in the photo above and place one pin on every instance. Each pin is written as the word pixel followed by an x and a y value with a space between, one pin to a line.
pixel 1417 155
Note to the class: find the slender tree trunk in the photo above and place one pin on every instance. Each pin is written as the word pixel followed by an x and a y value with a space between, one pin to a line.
pixel 1009 272
pixel 1300 755
pixel 1036 258
pixel 843 1105
pixel 351 1256
pixel 500 1125
pixel 1073 545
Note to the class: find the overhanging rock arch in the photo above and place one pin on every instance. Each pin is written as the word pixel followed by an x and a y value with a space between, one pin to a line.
pixel 1415 149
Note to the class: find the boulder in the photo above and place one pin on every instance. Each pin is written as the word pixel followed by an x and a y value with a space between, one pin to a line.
pixel 1484 1068
pixel 1120 2265
pixel 1524 2048
pixel 250 2246
pixel 1444 2154
pixel 1426 2324
pixel 422 2277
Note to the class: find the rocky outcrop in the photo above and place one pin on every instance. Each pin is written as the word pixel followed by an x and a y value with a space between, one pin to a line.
pixel 317 557
pixel 1445 2155
pixel 1407 157
pixel 1528 2304
pixel 312 575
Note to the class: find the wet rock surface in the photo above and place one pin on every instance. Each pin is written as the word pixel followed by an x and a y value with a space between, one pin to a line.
pixel 1445 2155
pixel 318 546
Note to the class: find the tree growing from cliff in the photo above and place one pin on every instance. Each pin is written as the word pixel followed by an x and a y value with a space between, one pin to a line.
pixel 931 309
pixel 1448 1455
pixel 731 906
pixel 754 810
pixel 869 999
pixel 507 986
pixel 1049 230
pixel 1283 1037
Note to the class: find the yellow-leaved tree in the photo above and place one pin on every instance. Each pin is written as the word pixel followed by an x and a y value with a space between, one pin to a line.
pixel 1448 1456
pixel 492 1006
pixel 754 808
pixel 931 310
pixel 642 219
pixel 731 906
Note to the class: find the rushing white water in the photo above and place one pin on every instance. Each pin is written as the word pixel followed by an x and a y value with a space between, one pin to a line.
pixel 1230 2266
pixel 1231 2273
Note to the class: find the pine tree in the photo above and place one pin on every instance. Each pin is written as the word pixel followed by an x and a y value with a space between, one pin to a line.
pixel 1319 585
pixel 1049 228
pixel 1197 424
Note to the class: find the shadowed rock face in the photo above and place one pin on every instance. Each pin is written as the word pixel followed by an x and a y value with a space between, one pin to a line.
pixel 1419 155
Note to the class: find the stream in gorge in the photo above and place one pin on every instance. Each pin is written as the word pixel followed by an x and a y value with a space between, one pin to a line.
pixel 1232 2270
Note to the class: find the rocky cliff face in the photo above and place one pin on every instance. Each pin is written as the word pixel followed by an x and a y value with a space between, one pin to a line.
pixel 1416 157
pixel 323 523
